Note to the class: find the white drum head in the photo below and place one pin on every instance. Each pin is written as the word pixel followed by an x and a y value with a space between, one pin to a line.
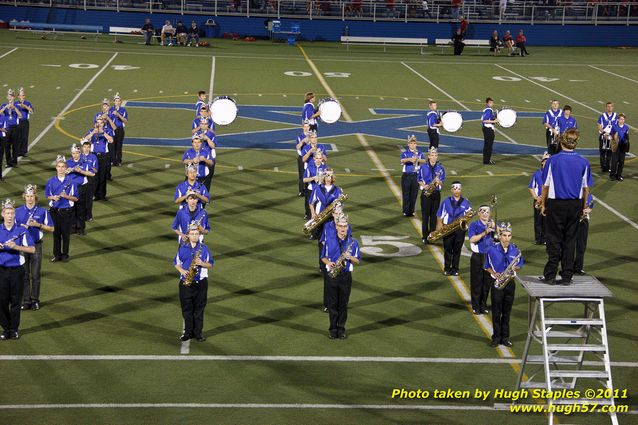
pixel 452 121
pixel 329 111
pixel 506 117
pixel 223 110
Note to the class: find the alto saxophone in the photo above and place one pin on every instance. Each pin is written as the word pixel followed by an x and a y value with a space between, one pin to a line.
pixel 323 216
pixel 460 223
pixel 341 261
pixel 192 270
pixel 508 274
pixel 428 190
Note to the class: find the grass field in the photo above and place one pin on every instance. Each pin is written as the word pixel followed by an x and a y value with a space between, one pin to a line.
pixel 409 326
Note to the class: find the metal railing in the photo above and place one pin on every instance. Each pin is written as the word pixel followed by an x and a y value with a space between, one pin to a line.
pixel 526 12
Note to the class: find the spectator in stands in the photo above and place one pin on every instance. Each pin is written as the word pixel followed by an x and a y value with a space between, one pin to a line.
pixel 193 35
pixel 457 39
pixel 456 9
pixel 426 9
pixel 508 42
pixel 521 40
pixel 502 6
pixel 495 43
pixel 463 26
pixel 167 32
pixel 389 8
pixel 148 30
pixel 182 33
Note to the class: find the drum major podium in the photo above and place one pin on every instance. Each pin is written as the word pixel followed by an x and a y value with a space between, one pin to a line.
pixel 568 324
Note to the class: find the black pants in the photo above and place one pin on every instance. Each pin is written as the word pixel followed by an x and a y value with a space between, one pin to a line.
pixel 63 219
pixel 488 143
pixel 209 178
pixel 480 281
pixel 11 148
pixel 104 165
pixel 582 232
pixel 410 188
pixel 560 234
pixel 193 300
pixel 90 192
pixel 11 281
pixel 552 148
pixel 80 207
pixel 118 142
pixel 539 225
pixel 300 172
pixel 23 132
pixel 523 49
pixel 429 207
pixel 502 301
pixel 617 163
pixel 307 192
pixel 452 245
pixel 338 296
pixel 5 151
pixel 458 48
pixel 3 142
pixel 604 149
pixel 32 266
pixel 433 135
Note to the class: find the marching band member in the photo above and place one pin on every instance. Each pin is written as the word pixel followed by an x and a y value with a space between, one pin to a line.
pixel 566 121
pixel 120 119
pixel 26 108
pixel 190 184
pixel 606 121
pixel 452 208
pixel 582 233
pixel 201 158
pixel 209 141
pixel 498 257
pixel 566 182
pixel 323 194
pixel 79 171
pixel 431 173
pixel 488 120
pixel 62 194
pixel 91 160
pixel 329 231
pixel 105 115
pixel 550 122
pixel 410 160
pixel 204 113
pixel 312 177
pixel 13 115
pixel 101 137
pixel 308 113
pixel 312 147
pixel 37 220
pixel 536 190
pixel 201 101
pixel 15 241
pixel 619 148
pixel 192 214
pixel 434 123
pixel 302 139
pixel 340 286
pixel 4 144
pixel 193 298
pixel 481 234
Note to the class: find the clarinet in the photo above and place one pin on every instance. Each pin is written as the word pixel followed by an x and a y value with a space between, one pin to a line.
pixel 13 238
pixel 64 189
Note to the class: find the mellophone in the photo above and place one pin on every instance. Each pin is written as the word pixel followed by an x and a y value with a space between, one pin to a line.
pixel 453 121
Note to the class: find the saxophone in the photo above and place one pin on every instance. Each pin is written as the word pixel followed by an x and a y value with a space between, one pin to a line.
pixel 508 274
pixel 428 190
pixel 341 261
pixel 192 270
pixel 460 223
pixel 312 224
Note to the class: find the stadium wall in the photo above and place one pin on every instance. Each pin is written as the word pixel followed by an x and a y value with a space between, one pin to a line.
pixel 331 30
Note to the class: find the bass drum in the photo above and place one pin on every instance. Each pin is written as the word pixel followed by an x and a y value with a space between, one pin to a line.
pixel 452 121
pixel 506 117
pixel 223 110
pixel 329 110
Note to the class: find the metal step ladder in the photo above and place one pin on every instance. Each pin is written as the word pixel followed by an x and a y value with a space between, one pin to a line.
pixel 573 344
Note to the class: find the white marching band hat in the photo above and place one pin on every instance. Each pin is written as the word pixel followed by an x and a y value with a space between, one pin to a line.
pixel 30 189
pixel 505 227
pixel 8 203
pixel 341 220
pixel 117 96
pixel 75 148
pixel 60 158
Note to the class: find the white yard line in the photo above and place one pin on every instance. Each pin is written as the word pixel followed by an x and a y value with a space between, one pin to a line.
pixel 9 52
pixel 212 78
pixel 616 212
pixel 613 73
pixel 66 108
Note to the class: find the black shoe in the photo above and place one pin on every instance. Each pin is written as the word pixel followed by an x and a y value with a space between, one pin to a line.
pixel 306 217
pixel 547 280
pixel 200 338
pixel 25 306
pixel 566 282
pixel 621 178
pixel 475 311
pixel 185 337
pixel 508 343
pixel 332 336
pixel 82 232
pixel 484 310
pixel 538 243
pixel 89 219
pixel 65 258
pixel 105 199
pixel 14 335
pixel 300 194
pixel 454 273
pixel 35 305
pixel 4 336
pixel 494 344
pixel 425 241
pixel 54 259
pixel 447 273
pixel 489 163
pixel 109 179
pixel 325 309
pixel 580 272
pixel 343 336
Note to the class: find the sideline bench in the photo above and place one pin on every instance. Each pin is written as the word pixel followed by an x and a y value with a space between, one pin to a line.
pixel 384 41
pixel 446 42
pixel 55 29
pixel 124 32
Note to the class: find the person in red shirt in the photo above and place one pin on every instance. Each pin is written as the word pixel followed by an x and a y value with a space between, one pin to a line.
pixel 463 26
pixel 520 43
pixel 508 43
